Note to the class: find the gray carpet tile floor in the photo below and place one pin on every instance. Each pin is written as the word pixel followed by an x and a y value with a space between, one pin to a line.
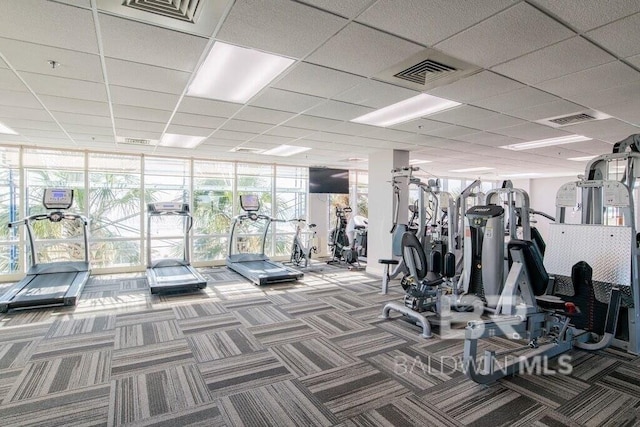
pixel 311 353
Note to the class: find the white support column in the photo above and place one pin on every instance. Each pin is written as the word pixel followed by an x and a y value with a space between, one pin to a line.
pixel 381 205
pixel 319 215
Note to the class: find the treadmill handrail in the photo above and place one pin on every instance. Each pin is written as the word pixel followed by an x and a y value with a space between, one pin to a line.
pixel 61 215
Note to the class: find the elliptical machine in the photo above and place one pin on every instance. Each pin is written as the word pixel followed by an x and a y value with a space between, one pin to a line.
pixel 341 250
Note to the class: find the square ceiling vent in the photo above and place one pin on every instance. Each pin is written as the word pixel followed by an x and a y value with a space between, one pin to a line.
pixel 574 118
pixel 427 70
pixel 199 17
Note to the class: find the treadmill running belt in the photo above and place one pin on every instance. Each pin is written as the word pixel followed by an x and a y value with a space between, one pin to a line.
pixel 47 286
pixel 171 274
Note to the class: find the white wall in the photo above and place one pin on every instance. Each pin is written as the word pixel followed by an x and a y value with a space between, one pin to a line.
pixel 542 196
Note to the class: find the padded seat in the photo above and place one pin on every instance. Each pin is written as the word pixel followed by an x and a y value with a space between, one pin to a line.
pixel 538 276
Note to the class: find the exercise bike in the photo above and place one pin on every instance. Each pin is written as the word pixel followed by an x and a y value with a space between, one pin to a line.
pixel 341 250
pixel 301 250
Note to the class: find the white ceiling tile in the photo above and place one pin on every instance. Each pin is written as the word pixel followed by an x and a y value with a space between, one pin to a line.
pixel 24 113
pixel 263 115
pixel 495 121
pixel 488 139
pixel 189 130
pixel 354 129
pixel 634 60
pixel 387 134
pixel 620 37
pixel 197 120
pixel 375 94
pixel 477 86
pixel 32 124
pixel 531 132
pixel 81 119
pixel 608 130
pixel 419 125
pixel 585 15
pixel 602 98
pixel 550 109
pixel 18 99
pixel 9 81
pixel 236 136
pixel 3 64
pixel 285 101
pixel 49 23
pixel 54 134
pixel 594 79
pixel 70 88
pixel 78 3
pixel 515 100
pixel 56 143
pixel 338 110
pixel 461 115
pixel 362 50
pixel 82 138
pixel 348 9
pixel 80 106
pixel 311 122
pixel 443 18
pixel 141 76
pixel 278 26
pixel 142 98
pixel 89 130
pixel 139 113
pixel 148 44
pixel 245 126
pixel 627 111
pixel 273 140
pixel 451 131
pixel 35 58
pixel 518 30
pixel 207 107
pixel 139 125
pixel 289 132
pixel 566 57
pixel 316 80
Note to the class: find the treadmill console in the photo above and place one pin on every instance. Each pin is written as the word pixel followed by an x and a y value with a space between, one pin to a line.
pixel 168 207
pixel 249 202
pixel 57 198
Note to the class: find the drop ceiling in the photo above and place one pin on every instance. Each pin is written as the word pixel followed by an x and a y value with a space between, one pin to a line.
pixel 123 72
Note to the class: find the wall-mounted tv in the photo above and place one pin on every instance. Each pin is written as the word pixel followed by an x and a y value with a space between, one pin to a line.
pixel 328 181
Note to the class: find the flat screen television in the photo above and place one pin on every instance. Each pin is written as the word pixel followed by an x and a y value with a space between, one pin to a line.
pixel 328 181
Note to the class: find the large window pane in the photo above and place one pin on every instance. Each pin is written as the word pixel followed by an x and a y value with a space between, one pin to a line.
pixel 255 179
pixel 115 210
pixel 213 209
pixel 291 203
pixel 9 209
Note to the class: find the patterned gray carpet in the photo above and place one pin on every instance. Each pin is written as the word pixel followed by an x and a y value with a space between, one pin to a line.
pixel 312 353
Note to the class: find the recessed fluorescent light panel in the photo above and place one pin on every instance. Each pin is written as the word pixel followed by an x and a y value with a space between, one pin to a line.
pixel 478 169
pixel 7 130
pixel 418 162
pixel 546 142
pixel 181 141
pixel 581 159
pixel 403 111
pixel 286 150
pixel 236 74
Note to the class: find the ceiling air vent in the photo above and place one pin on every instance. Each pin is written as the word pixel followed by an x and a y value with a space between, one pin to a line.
pixel 184 10
pixel 135 141
pixel 248 150
pixel 574 118
pixel 427 70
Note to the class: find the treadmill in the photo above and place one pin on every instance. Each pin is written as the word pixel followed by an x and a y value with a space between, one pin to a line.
pixel 258 268
pixel 168 275
pixel 53 283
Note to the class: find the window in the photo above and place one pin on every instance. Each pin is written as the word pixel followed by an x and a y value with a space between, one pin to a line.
pixel 166 180
pixel 212 209
pixel 9 209
pixel 291 203
pixel 255 179
pixel 115 209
